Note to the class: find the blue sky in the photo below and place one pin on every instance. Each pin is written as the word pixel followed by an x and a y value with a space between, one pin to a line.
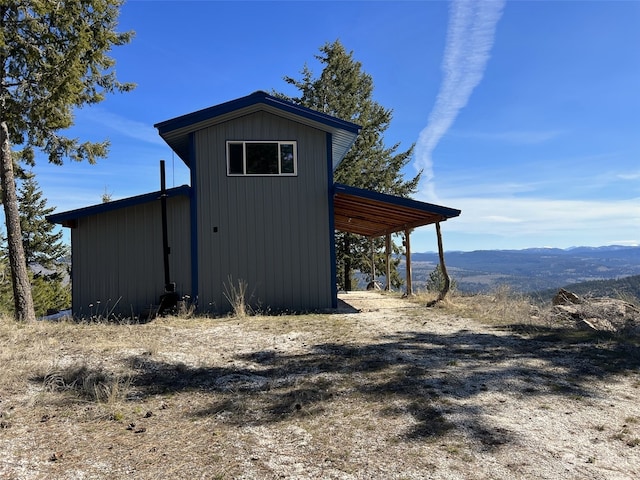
pixel 526 114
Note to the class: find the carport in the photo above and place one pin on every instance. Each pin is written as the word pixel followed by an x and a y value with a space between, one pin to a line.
pixel 374 214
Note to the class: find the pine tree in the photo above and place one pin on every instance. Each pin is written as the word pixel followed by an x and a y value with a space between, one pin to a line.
pixel 42 245
pixel 437 281
pixel 6 296
pixel 53 58
pixel 50 294
pixel 344 91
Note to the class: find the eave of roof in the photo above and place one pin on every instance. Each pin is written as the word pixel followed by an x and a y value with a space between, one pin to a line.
pixel 374 214
pixel 67 218
pixel 176 131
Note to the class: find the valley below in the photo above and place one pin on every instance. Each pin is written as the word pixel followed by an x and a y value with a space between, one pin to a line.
pixel 537 272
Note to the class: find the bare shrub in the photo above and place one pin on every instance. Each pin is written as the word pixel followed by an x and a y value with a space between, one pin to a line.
pixel 186 308
pixel 236 294
pixel 103 312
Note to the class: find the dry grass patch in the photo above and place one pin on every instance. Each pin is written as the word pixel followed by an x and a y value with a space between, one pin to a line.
pixel 502 306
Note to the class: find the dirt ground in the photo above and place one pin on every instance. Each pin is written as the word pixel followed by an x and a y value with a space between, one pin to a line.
pixel 383 389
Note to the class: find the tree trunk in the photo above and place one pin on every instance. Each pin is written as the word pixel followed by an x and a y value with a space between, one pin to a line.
pixel 19 275
pixel 443 268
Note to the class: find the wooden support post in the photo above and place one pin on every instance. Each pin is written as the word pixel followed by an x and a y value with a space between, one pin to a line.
pixel 407 254
pixel 347 263
pixel 373 262
pixel 387 255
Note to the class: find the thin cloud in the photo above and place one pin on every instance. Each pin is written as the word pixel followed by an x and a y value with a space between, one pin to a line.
pixel 629 176
pixel 127 127
pixel 529 222
pixel 502 219
pixel 534 216
pixel 627 243
pixel 469 40
pixel 513 137
pixel 472 186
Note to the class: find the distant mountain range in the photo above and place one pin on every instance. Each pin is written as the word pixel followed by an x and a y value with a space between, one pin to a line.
pixel 529 270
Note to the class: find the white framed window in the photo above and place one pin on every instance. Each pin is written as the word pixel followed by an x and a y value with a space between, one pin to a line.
pixel 262 158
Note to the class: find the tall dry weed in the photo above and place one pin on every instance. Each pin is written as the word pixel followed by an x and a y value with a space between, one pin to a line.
pixel 236 293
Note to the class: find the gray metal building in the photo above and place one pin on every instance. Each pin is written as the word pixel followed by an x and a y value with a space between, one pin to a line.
pixel 259 210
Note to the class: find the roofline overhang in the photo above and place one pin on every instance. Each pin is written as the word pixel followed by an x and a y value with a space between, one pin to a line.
pixel 176 130
pixel 191 120
pixel 70 217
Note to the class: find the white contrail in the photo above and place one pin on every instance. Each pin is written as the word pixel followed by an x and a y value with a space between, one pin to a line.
pixel 470 37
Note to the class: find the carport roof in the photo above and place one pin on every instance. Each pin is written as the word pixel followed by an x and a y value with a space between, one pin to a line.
pixel 374 214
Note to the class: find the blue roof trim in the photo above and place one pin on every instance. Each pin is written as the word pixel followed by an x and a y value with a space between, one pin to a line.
pixel 400 201
pixel 253 99
pixel 176 131
pixel 63 217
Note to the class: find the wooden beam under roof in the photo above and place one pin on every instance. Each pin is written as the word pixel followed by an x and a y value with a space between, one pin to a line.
pixel 374 214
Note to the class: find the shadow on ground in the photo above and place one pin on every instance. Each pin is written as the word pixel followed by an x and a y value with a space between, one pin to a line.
pixel 426 374
pixel 423 375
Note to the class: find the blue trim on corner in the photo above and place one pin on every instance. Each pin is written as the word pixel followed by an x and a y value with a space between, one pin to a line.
pixel 195 274
pixel 332 233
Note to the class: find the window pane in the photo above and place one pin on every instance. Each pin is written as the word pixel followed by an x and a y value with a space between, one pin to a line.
pixel 286 158
pixel 262 158
pixel 235 159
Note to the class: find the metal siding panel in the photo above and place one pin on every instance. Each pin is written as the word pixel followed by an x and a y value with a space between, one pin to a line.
pixel 193 224
pixel 180 243
pixel 117 258
pixel 272 230
pixel 203 200
pixel 208 242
